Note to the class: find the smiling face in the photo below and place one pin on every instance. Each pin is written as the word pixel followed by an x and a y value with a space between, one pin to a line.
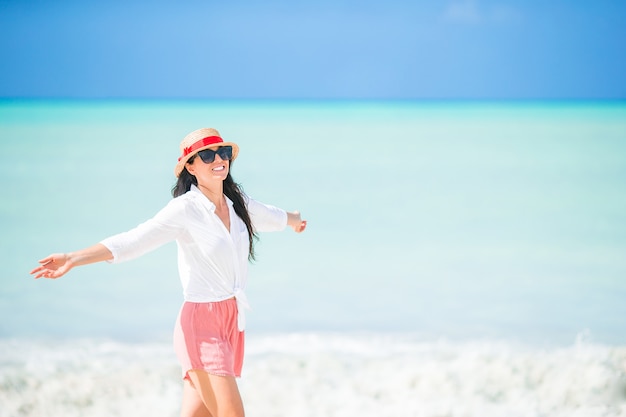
pixel 207 173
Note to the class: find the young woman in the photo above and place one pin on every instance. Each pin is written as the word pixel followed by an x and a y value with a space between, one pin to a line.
pixel 214 225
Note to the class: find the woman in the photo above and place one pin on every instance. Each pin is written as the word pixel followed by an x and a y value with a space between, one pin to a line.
pixel 214 225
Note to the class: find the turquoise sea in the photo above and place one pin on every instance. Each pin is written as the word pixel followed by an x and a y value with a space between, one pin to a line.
pixel 461 258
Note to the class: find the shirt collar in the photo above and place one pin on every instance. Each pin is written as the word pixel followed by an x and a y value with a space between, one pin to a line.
pixel 209 204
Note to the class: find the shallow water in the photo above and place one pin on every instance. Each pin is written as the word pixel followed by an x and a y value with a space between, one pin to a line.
pixel 461 259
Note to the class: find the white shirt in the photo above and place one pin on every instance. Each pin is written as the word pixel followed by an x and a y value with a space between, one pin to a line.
pixel 212 262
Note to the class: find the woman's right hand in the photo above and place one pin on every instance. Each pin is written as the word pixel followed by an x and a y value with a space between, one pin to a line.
pixel 53 266
pixel 58 264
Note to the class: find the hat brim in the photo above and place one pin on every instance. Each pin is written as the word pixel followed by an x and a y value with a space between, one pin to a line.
pixel 181 163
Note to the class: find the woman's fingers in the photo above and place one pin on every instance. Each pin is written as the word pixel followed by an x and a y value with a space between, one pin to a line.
pixel 49 267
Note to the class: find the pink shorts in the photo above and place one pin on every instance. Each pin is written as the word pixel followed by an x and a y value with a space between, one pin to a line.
pixel 206 338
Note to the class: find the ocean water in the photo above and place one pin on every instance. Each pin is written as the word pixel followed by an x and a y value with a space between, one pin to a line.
pixel 461 258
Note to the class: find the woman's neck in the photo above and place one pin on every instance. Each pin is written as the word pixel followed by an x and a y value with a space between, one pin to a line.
pixel 214 192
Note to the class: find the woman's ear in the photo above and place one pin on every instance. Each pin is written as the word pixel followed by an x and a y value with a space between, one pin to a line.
pixel 190 168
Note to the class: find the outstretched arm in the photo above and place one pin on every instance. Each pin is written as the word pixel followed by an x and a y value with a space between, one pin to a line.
pixel 58 264
pixel 294 220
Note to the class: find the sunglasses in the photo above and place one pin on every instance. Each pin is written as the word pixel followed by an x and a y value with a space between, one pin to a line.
pixel 208 155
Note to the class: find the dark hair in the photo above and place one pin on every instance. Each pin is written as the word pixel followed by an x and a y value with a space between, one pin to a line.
pixel 232 190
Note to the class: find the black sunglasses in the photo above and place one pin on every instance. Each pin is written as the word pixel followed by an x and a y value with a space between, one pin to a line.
pixel 208 155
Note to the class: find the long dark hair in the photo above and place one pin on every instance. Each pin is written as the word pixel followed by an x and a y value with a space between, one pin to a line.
pixel 232 190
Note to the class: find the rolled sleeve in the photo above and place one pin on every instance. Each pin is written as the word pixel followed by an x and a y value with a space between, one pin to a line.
pixel 266 218
pixel 162 228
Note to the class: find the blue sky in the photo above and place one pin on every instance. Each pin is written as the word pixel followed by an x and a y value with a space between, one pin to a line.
pixel 395 49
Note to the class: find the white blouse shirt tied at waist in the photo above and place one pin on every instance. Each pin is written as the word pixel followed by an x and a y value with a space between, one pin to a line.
pixel 212 261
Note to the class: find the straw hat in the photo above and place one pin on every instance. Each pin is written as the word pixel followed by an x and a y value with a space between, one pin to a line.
pixel 198 140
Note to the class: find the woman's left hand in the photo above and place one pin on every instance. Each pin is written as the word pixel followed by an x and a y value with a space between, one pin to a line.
pixel 294 220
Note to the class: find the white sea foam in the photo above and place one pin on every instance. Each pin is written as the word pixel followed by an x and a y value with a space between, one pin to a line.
pixel 322 374
pixel 87 378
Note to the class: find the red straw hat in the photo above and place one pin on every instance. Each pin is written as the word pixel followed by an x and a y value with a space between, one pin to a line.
pixel 198 140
